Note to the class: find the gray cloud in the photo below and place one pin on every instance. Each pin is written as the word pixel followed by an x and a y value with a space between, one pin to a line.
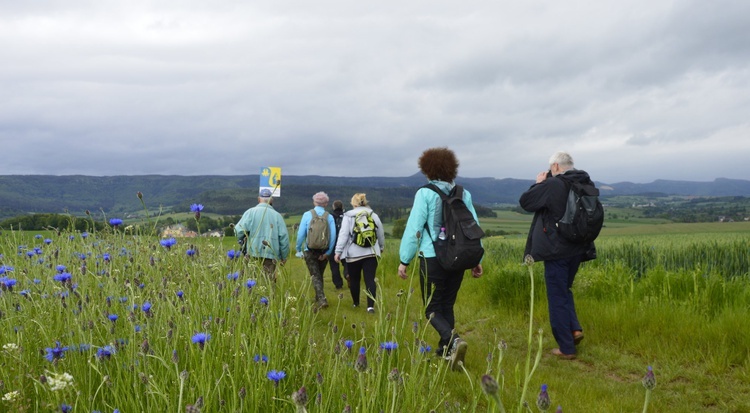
pixel 635 90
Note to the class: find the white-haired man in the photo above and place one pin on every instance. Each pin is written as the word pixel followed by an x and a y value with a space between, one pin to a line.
pixel 263 235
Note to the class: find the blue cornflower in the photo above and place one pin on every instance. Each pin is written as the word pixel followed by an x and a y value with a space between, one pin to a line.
pixel 63 277
pixel 542 401
pixel 389 346
pixel 25 293
pixel 37 281
pixel 5 268
pixel 141 286
pixel 264 300
pixel 348 344
pixel 105 352
pixel 47 241
pixel 106 257
pixel 38 236
pixel 55 353
pixel 137 328
pixel 84 235
pixel 168 243
pixel 37 251
pixel 71 237
pixel 66 408
pixel 276 376
pixel 201 338
pixel 146 307
pixel 112 317
pixel 30 254
pixel 232 254
pixel 115 222
pixel 180 294
pixel 425 348
pixel 190 252
pixel 250 283
pixel 7 283
pixel 361 364
pixel 196 208
pixel 260 358
pixel 61 268
pixel 233 276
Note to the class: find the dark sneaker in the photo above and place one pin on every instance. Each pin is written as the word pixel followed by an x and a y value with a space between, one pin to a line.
pixel 458 354
pixel 443 352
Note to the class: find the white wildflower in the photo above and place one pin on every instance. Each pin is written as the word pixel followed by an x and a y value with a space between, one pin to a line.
pixel 59 381
pixel 10 347
pixel 11 396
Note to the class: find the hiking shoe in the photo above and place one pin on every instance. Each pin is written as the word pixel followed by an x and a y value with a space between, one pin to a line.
pixel 321 305
pixel 577 337
pixel 458 354
pixel 371 310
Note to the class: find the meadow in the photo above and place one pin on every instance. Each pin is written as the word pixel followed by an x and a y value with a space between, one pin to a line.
pixel 111 321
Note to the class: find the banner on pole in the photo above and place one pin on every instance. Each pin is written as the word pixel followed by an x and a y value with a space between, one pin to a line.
pixel 270 178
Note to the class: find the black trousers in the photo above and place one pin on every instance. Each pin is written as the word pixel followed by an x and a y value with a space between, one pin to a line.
pixel 338 281
pixel 367 267
pixel 439 293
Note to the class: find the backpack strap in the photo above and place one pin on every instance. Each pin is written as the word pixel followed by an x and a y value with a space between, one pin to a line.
pixel 456 191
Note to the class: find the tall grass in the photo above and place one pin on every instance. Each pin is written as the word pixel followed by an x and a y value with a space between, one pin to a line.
pixel 663 316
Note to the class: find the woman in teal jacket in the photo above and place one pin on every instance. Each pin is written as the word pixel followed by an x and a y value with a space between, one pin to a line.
pixel 439 287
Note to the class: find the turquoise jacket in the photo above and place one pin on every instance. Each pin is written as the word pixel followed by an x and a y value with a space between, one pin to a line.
pixel 305 222
pixel 427 210
pixel 262 223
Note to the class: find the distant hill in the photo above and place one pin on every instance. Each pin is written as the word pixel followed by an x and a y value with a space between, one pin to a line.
pixel 230 195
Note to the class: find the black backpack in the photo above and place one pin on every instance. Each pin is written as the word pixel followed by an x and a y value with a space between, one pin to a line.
pixel 462 248
pixel 584 214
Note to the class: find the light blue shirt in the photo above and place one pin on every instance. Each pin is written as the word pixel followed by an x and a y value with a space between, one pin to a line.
pixel 427 212
pixel 305 223
pixel 262 223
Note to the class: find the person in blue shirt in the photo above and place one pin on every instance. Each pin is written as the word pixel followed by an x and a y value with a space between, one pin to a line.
pixel 263 234
pixel 316 259
pixel 439 286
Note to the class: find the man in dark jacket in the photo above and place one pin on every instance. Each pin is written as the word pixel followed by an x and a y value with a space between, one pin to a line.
pixel 338 215
pixel 547 199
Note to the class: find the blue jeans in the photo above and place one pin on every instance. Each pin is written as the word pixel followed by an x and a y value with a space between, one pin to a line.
pixel 559 276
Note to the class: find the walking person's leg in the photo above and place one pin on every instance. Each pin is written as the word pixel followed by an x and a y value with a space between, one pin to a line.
pixel 335 273
pixel 556 278
pixel 355 277
pixel 312 259
pixel 369 269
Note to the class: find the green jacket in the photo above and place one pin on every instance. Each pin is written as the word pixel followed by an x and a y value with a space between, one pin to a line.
pixel 263 223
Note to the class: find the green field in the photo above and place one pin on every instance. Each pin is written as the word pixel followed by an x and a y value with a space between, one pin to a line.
pixel 672 296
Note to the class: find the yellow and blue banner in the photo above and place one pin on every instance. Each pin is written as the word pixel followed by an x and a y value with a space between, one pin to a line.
pixel 270 178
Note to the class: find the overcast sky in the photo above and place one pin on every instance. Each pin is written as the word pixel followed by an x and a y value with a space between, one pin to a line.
pixel 634 90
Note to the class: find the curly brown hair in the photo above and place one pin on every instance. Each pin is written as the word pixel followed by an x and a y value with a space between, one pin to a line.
pixel 439 164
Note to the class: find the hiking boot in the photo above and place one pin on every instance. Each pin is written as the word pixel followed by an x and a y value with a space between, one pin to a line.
pixel 321 305
pixel 458 353
pixel 371 310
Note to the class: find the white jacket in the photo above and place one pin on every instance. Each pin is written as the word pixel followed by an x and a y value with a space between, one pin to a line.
pixel 345 246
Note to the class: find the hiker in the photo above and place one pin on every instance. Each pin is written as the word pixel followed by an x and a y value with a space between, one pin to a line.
pixel 315 243
pixel 338 216
pixel 439 286
pixel 547 199
pixel 361 242
pixel 263 235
